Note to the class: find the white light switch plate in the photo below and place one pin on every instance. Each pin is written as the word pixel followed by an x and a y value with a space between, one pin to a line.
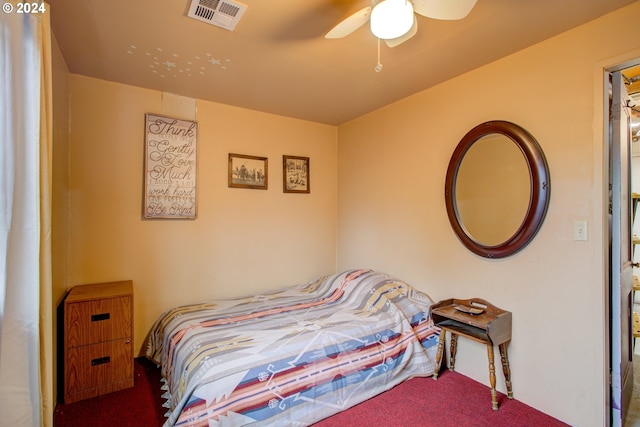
pixel 580 230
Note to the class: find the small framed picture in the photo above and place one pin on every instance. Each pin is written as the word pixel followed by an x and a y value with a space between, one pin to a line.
pixel 248 171
pixel 295 172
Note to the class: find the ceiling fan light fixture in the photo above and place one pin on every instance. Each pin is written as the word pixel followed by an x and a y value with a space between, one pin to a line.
pixel 391 19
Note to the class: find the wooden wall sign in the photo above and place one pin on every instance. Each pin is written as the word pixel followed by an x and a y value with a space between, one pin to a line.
pixel 170 168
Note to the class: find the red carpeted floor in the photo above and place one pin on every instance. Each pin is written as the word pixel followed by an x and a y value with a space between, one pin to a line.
pixel 139 406
pixel 452 401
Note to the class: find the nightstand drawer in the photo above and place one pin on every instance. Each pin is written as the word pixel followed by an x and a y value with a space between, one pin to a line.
pixel 97 321
pixel 92 366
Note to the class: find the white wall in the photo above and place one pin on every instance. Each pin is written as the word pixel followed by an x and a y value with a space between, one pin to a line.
pixel 392 217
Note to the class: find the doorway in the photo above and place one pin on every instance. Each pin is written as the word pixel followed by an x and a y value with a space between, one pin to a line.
pixel 632 76
pixel 622 266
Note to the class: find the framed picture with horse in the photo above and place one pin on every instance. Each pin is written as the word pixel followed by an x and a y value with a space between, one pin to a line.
pixel 248 171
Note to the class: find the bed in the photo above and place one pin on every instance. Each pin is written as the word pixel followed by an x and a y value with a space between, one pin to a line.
pixel 295 355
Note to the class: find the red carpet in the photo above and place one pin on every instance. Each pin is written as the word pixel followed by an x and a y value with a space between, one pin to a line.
pixel 452 401
pixel 139 406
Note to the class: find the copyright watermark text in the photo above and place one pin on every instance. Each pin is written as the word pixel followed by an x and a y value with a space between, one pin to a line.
pixel 28 8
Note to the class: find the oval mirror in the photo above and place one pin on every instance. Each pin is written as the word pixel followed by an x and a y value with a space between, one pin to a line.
pixel 497 189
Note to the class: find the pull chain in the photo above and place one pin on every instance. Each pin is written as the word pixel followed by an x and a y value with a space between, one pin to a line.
pixel 378 65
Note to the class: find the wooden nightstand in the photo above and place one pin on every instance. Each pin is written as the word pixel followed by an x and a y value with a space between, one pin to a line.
pixel 98 340
pixel 480 321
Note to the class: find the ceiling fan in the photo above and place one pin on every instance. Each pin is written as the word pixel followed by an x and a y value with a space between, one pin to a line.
pixel 394 21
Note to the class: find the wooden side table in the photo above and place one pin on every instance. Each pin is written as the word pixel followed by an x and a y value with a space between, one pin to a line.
pixel 98 340
pixel 480 321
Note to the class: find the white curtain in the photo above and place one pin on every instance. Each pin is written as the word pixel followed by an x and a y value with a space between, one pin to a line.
pixel 25 271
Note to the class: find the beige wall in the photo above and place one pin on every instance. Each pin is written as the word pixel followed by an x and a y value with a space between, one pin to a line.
pixel 60 199
pixel 242 241
pixel 391 171
pixel 387 214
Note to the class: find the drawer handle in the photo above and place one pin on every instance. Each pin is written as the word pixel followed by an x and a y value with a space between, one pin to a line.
pixel 102 316
pixel 101 361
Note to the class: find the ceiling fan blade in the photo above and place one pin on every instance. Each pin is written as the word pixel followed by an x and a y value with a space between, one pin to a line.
pixel 443 9
pixel 399 40
pixel 350 24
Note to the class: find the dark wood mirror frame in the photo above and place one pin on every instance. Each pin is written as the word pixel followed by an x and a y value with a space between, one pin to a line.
pixel 539 194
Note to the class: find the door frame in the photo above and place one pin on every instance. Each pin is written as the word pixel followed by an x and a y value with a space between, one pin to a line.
pixel 620 65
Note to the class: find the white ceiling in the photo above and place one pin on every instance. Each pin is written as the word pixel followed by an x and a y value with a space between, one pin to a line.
pixel 277 59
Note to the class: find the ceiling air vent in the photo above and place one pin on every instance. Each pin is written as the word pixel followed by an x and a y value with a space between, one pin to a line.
pixel 221 13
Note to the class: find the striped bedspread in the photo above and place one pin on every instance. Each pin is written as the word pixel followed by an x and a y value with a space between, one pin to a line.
pixel 292 356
